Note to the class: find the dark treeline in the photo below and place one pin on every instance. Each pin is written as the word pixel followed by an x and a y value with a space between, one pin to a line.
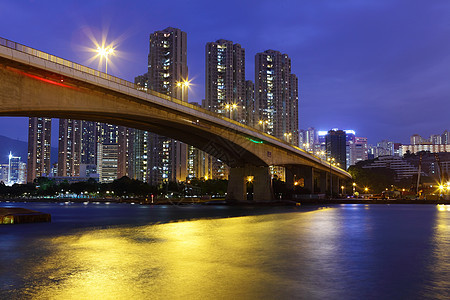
pixel 44 186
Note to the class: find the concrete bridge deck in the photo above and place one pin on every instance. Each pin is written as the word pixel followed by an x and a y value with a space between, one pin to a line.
pixel 35 83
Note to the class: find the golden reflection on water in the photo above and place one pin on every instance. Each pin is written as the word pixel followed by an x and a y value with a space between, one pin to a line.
pixel 218 258
pixel 440 267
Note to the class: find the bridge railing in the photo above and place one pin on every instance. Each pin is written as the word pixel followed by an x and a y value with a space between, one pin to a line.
pixel 64 62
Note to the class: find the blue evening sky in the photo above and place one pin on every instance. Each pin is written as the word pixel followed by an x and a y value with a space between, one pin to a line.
pixel 380 67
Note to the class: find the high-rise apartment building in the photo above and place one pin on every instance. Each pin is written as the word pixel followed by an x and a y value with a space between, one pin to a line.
pixel 446 137
pixel 418 140
pixel 358 150
pixel 107 157
pixel 436 139
pixel 167 67
pixel 225 87
pixel 140 157
pixel 107 151
pixel 167 62
pixel 276 95
pixel 16 170
pixel 69 147
pixel 125 151
pixel 336 147
pixel 89 140
pixel 39 144
pixel 249 104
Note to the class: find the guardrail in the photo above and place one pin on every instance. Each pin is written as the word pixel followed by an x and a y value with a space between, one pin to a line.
pixel 64 62
pixel 67 63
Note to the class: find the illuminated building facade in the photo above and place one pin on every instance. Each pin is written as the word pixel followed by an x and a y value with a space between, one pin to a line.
pixel 69 147
pixel 167 66
pixel 107 157
pixel 276 95
pixel 89 140
pixel 358 150
pixel 249 111
pixel 336 142
pixel 225 79
pixel 39 143
pixel 16 170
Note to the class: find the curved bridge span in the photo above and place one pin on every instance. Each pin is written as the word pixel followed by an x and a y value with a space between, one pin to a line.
pixel 35 83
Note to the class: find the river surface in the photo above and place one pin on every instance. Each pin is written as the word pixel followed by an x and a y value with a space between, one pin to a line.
pixel 124 251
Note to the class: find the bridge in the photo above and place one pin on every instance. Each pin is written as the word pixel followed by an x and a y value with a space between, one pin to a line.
pixel 35 83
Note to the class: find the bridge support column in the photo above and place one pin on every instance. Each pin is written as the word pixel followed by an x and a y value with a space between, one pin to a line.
pixel 262 185
pixel 336 185
pixel 237 189
pixel 290 174
pixel 323 182
pixel 307 173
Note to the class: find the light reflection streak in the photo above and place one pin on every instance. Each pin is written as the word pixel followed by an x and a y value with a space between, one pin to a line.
pixel 175 260
pixel 438 286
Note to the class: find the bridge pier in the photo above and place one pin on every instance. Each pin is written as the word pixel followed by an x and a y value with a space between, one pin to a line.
pixel 289 177
pixel 307 173
pixel 323 182
pixel 262 184
pixel 237 189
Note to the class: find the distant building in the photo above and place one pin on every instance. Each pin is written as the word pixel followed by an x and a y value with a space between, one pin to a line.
pixel 107 162
pixel 276 95
pixel 16 170
pixel 436 139
pixel 358 150
pixel 402 167
pixel 125 151
pixel 167 73
pixel 225 86
pixel 89 140
pixel 418 140
pixel 39 143
pixel 435 165
pixel 69 147
pixel 446 137
pixel 249 104
pixel 4 169
pixel 336 147
pixel 424 147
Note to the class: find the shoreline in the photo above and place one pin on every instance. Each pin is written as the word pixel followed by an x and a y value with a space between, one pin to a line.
pixel 190 201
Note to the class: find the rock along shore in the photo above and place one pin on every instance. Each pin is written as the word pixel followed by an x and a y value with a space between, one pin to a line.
pixel 17 215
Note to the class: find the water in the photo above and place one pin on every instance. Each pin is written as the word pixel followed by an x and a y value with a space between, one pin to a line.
pixel 123 251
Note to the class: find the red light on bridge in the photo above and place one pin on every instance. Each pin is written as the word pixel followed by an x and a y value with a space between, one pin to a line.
pixel 41 78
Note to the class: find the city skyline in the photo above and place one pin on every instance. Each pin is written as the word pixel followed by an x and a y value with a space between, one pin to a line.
pixel 379 68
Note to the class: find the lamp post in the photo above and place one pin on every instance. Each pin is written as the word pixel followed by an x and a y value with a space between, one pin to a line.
pixel 230 108
pixel 183 85
pixel 287 136
pixel 105 52
pixel 354 187
pixel 262 123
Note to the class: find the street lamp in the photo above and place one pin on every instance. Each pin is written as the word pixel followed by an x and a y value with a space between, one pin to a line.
pixel 262 123
pixel 230 108
pixel 288 136
pixel 342 190
pixel 105 52
pixel 354 187
pixel 183 85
